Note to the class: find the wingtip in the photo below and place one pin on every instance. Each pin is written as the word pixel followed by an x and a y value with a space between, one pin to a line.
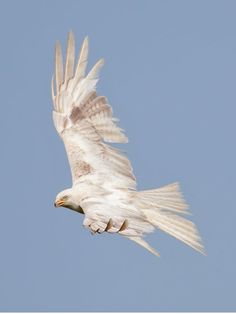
pixel 101 61
pixel 94 72
pixel 52 87
pixel 85 44
pixel 57 45
pixel 86 39
pixel 70 57
pixel 82 61
pixel 71 37
pixel 70 33
pixel 58 65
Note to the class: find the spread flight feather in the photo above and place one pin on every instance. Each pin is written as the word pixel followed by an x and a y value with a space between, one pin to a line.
pixel 104 185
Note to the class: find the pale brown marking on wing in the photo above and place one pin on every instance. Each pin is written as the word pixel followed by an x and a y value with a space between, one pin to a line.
pixel 83 168
pixel 76 114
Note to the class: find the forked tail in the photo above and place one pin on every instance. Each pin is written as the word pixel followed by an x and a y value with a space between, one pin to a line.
pixel 163 208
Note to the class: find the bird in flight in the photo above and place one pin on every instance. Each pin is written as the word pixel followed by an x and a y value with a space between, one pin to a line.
pixel 103 184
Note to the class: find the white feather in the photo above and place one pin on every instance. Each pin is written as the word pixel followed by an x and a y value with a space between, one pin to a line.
pixel 104 186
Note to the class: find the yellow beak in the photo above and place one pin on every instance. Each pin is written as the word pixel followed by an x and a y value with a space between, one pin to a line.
pixel 59 203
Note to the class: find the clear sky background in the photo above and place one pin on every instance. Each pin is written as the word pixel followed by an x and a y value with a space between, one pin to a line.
pixel 170 75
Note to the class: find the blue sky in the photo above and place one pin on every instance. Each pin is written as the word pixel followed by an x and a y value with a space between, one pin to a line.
pixel 170 75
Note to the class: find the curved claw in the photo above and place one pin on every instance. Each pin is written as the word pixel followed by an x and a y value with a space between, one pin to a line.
pixel 123 226
pixel 109 225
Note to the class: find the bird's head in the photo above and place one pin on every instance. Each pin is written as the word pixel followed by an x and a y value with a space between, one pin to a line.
pixel 68 199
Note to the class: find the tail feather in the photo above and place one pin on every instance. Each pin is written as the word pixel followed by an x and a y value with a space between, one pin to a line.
pixel 168 198
pixel 180 228
pixel 144 244
pixel 162 208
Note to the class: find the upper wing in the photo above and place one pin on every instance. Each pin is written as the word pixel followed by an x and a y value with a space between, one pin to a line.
pixel 84 121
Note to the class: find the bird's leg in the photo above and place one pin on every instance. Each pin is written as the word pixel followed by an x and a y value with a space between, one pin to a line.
pixel 116 224
pixel 94 226
pixel 100 224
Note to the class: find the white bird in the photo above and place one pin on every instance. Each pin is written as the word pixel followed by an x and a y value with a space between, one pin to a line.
pixel 104 187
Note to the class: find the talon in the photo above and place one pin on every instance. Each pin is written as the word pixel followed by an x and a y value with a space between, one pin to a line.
pixel 109 225
pixel 123 226
pixel 91 230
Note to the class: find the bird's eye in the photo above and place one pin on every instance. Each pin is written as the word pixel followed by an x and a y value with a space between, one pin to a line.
pixel 65 198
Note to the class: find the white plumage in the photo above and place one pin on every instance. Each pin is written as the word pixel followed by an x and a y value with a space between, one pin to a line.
pixel 104 187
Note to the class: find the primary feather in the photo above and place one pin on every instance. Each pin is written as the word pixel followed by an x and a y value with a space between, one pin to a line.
pixel 104 186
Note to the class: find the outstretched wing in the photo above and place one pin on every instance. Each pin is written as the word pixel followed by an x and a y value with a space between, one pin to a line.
pixel 84 121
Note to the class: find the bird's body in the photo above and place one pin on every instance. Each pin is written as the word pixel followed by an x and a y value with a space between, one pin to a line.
pixel 104 186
